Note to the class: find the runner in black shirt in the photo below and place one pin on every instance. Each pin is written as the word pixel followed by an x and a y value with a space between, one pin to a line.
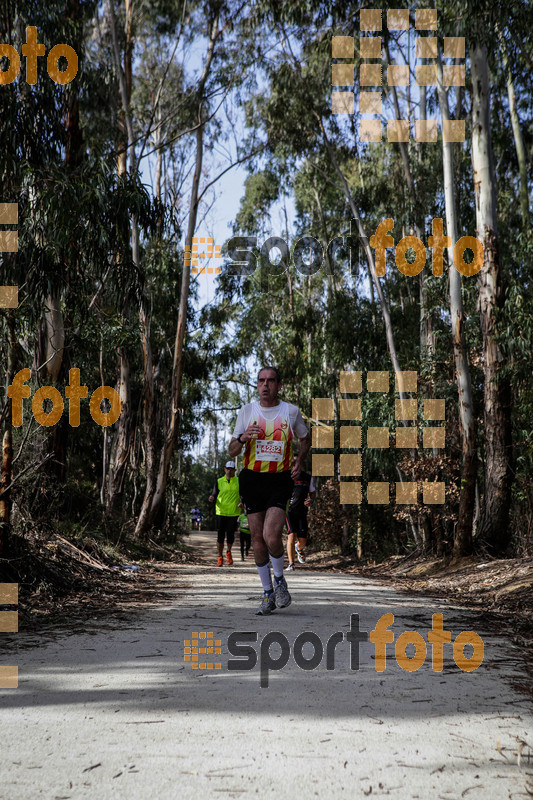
pixel 303 494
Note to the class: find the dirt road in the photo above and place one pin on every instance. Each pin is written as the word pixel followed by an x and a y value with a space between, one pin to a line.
pixel 116 712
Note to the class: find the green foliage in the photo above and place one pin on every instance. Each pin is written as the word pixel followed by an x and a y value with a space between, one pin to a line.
pixel 60 147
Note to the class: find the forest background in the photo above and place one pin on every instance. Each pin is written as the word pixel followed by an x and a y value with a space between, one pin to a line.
pixel 117 171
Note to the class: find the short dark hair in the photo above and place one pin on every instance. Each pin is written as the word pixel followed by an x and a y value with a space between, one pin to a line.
pixel 275 370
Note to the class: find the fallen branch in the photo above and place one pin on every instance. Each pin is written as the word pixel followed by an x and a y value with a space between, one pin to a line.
pixel 83 554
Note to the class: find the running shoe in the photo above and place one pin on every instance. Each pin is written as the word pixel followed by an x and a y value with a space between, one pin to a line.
pixel 290 568
pixel 229 558
pixel 268 605
pixel 281 593
pixel 300 554
pixel 220 561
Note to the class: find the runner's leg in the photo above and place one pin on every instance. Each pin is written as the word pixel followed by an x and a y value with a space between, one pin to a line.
pixel 272 528
pixel 256 522
pixel 302 535
pixel 290 548
pixel 231 527
pixel 220 535
pixel 274 521
pixel 261 555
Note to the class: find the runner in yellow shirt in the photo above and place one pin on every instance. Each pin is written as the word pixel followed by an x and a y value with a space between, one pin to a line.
pixel 226 494
pixel 244 535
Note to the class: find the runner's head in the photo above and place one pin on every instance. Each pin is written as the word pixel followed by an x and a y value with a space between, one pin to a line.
pixel 229 469
pixel 268 385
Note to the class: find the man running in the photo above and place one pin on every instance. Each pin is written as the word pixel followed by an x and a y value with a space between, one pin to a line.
pixel 244 534
pixel 267 429
pixel 303 495
pixel 226 493
pixel 196 518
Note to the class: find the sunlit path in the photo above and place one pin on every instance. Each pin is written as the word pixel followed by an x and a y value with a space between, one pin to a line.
pixel 120 714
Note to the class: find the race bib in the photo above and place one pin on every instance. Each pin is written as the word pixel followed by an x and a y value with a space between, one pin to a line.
pixel 268 450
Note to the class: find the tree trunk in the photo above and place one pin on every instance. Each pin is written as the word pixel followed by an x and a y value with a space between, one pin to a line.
pixel 152 503
pixel 427 342
pixel 74 143
pixel 345 531
pixel 149 421
pixel 426 326
pixel 121 446
pixel 54 337
pixel 518 140
pixel 359 537
pixel 493 524
pixel 385 311
pixel 215 443
pixel 56 357
pixel 463 531
pixel 125 79
pixel 6 475
pixel 177 368
pixel 50 356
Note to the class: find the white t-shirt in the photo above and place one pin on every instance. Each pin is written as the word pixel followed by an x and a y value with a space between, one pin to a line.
pixel 245 414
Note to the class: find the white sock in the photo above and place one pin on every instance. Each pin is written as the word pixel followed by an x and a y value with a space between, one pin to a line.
pixel 277 565
pixel 264 574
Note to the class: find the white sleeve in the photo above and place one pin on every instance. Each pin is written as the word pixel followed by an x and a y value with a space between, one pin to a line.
pixel 298 425
pixel 241 424
pixel 312 487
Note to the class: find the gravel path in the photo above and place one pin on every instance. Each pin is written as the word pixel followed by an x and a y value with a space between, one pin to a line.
pixel 118 713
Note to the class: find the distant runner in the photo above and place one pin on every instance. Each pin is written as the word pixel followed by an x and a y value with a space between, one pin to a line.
pixel 196 518
pixel 267 429
pixel 303 495
pixel 226 493
pixel 244 535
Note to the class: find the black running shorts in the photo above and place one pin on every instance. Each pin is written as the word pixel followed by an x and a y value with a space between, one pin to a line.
pixel 226 526
pixel 297 523
pixel 263 490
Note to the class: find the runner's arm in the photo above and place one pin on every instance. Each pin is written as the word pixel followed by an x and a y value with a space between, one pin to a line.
pixel 304 439
pixel 305 444
pixel 235 446
pixel 251 432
